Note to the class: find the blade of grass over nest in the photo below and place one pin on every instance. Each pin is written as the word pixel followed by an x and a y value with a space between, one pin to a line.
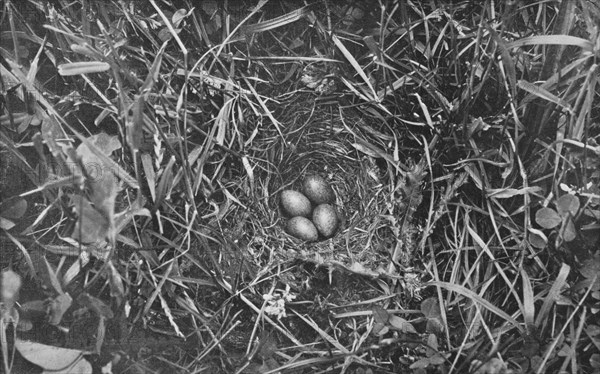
pixel 585 112
pixel 24 252
pixel 152 76
pixel 148 168
pixel 356 66
pixel 431 211
pixel 396 84
pixel 265 109
pixel 552 296
pixel 55 183
pixel 370 149
pixel 295 365
pixel 222 45
pixel 172 31
pixel 291 58
pixel 181 102
pixel 563 76
pixel 507 62
pixel 34 67
pixel 276 22
pixel 424 110
pixel 528 299
pixel 540 92
pixel 572 355
pixel 585 44
pixel 472 295
pixel 19 159
pixel 31 87
pixel 557 339
pixel 355 90
pixel 216 342
pixel 69 35
pixel 507 193
pixel 322 333
pixel 440 296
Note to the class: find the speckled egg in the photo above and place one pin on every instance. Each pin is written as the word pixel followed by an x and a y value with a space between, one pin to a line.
pixel 326 220
pixel 293 204
pixel 302 228
pixel 318 190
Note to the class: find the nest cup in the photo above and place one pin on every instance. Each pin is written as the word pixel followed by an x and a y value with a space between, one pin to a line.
pixel 319 147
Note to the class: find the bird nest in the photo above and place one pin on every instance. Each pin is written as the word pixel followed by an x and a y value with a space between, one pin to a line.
pixel 377 232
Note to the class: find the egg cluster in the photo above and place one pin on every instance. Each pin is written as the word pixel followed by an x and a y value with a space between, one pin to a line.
pixel 305 222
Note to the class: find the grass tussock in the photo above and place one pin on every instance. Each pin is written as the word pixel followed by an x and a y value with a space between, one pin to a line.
pixel 144 147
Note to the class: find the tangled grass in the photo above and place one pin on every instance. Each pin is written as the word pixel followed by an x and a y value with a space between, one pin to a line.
pixel 145 145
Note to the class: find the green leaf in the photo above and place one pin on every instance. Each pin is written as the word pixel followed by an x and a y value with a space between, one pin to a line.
pixel 53 277
pixel 13 208
pixel 420 364
pixel 433 345
pixel 431 308
pixel 95 305
pixel 380 329
pixel 51 358
pixel 567 204
pixel 569 232
pixel 590 268
pixel 437 359
pixel 547 218
pixel 380 315
pixel 57 308
pixel 401 324
pixel 493 366
pixel 178 16
pixel 537 238
pixel 434 325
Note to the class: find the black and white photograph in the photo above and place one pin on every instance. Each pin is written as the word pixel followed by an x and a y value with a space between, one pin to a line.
pixel 299 187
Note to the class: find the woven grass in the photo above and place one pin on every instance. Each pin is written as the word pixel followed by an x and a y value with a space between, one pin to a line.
pixel 315 141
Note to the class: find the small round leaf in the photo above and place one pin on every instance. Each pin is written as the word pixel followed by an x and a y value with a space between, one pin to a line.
pixel 380 315
pixel 570 233
pixel 567 204
pixel 13 208
pixel 537 238
pixel 431 308
pixel 547 218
